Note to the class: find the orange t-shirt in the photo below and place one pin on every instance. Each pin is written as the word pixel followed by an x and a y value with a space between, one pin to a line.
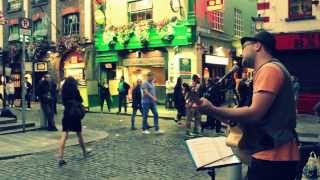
pixel 270 79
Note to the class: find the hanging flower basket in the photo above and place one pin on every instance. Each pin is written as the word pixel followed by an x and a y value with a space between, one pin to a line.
pixel 165 29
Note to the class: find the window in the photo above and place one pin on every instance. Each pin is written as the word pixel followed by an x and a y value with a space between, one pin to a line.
pixel 14 29
pixel 215 19
pixel 140 10
pixel 300 9
pixel 14 33
pixel 237 23
pixel 14 5
pixel 71 24
pixel 35 2
pixel 37 25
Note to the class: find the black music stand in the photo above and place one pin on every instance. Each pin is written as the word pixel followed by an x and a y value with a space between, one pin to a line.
pixel 211 169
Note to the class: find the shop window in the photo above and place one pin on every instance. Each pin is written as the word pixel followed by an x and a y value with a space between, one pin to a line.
pixel 39 28
pixel 14 5
pixel 14 32
pixel 37 25
pixel 215 20
pixel 237 27
pixel 300 9
pixel 71 24
pixel 140 10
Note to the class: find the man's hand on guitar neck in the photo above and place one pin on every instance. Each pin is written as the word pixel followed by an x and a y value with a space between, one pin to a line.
pixel 205 107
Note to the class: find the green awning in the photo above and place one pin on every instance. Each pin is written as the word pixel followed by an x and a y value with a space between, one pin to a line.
pixel 106 57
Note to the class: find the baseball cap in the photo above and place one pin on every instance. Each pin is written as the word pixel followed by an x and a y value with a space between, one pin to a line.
pixel 263 37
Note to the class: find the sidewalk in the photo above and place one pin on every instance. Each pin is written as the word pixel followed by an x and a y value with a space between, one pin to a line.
pixel 19 144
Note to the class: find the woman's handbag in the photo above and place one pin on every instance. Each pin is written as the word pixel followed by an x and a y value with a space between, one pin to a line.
pixel 77 110
pixel 311 169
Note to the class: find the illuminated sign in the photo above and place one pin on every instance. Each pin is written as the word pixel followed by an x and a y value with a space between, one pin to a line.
pixel 108 66
pixel 216 60
pixel 214 5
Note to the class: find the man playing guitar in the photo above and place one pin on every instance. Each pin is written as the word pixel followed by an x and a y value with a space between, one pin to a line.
pixel 269 122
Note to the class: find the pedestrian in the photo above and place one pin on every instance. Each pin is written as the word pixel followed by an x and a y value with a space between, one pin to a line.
pixel 47 96
pixel 123 89
pixel 192 95
pixel 70 97
pixel 243 90
pixel 231 94
pixel 104 94
pixel 179 101
pixel 136 102
pixel 212 93
pixel 269 122
pixel 28 93
pixel 10 90
pixel 169 93
pixel 149 102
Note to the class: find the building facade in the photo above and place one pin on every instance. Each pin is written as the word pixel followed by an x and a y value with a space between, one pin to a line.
pixel 60 43
pixel 171 38
pixel 296 26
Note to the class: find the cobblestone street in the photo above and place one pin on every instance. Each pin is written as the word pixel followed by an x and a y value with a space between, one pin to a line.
pixel 124 154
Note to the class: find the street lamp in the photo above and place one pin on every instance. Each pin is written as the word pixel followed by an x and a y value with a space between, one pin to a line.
pixel 258 22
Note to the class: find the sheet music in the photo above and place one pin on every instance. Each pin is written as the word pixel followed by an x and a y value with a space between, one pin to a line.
pixel 207 150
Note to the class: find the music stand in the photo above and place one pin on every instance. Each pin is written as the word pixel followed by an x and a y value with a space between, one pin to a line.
pixel 211 168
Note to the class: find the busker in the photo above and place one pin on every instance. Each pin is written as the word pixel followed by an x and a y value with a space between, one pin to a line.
pixel 269 122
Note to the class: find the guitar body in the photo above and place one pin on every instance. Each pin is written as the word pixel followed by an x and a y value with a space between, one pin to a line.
pixel 235 135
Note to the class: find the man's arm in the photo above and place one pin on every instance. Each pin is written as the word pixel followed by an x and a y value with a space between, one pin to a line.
pixel 146 93
pixel 262 101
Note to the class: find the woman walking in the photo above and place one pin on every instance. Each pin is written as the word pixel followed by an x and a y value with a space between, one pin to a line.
pixel 70 96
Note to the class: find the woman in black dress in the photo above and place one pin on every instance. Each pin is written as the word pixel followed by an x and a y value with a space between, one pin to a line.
pixel 179 101
pixel 70 95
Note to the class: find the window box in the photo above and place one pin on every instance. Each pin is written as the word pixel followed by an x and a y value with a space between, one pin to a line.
pixel 300 18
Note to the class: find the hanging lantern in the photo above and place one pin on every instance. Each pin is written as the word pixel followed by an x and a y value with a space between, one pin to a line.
pixel 99 17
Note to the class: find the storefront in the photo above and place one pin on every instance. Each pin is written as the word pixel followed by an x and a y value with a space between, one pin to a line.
pixel 300 52
pixel 136 65
pixel 74 65
pixel 215 65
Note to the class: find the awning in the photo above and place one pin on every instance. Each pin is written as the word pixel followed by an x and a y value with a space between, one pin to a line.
pixel 106 57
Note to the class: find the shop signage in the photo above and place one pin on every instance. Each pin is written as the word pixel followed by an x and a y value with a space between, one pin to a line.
pixel 154 61
pixel 40 67
pixel 185 68
pixel 209 59
pixel 28 66
pixel 25 26
pixel 298 41
pixel 214 5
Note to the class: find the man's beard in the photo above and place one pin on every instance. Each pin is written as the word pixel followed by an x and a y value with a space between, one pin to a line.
pixel 248 61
